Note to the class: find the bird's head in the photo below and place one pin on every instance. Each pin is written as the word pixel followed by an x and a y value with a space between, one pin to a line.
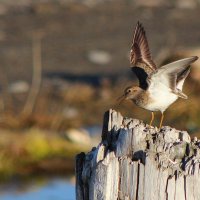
pixel 130 93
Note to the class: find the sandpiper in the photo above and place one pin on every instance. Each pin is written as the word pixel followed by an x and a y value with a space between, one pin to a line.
pixel 158 87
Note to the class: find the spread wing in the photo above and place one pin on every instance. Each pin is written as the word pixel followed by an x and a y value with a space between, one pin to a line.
pixel 140 57
pixel 173 75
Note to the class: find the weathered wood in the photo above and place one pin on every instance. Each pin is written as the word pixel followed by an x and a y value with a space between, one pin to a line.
pixel 135 162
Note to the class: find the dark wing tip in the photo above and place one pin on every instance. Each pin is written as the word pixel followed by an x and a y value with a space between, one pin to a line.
pixel 139 24
pixel 139 29
pixel 195 58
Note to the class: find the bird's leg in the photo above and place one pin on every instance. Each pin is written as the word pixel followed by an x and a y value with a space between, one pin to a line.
pixel 152 118
pixel 161 120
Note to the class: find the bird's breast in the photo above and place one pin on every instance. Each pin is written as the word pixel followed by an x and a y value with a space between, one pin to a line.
pixel 160 98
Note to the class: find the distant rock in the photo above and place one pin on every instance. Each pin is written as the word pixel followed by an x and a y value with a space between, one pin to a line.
pixel 80 136
pixel 99 57
pixel 18 87
pixel 70 112
pixel 95 134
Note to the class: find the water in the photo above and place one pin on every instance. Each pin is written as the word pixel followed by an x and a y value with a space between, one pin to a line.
pixel 42 188
pixel 53 189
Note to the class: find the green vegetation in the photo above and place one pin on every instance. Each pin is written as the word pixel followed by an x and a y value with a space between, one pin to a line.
pixel 38 143
pixel 35 150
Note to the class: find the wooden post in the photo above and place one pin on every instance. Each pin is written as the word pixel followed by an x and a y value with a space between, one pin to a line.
pixel 135 162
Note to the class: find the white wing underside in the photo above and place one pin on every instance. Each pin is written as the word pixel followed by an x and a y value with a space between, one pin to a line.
pixel 159 87
pixel 180 84
pixel 163 73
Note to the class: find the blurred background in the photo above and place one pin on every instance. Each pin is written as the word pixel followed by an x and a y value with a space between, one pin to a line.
pixel 63 63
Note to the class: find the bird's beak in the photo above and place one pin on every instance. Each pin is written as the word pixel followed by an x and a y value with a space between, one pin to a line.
pixel 121 99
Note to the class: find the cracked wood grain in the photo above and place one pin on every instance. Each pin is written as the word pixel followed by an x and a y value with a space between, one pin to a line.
pixel 135 162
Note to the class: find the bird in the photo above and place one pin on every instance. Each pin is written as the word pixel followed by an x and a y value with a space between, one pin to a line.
pixel 159 87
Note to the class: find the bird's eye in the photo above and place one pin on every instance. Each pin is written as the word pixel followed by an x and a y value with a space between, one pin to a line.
pixel 129 91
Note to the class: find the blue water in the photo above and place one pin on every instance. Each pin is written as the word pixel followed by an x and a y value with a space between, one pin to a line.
pixel 56 189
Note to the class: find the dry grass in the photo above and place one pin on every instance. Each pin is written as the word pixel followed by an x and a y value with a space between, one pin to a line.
pixel 25 147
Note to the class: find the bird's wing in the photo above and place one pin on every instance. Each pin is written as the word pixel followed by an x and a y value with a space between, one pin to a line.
pixel 181 77
pixel 171 74
pixel 140 57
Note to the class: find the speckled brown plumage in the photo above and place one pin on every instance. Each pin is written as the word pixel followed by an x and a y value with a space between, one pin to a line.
pixel 158 87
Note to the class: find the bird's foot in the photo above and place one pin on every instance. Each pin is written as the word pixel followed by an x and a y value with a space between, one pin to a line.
pixel 157 129
pixel 150 126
